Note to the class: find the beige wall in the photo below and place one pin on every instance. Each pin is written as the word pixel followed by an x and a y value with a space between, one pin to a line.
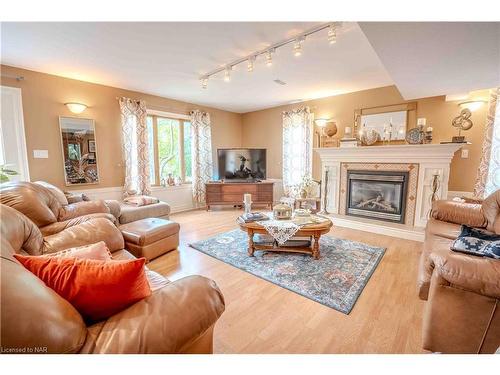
pixel 264 128
pixel 43 96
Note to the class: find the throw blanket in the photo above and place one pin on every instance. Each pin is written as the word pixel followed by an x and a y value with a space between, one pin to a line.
pixel 477 242
pixel 141 200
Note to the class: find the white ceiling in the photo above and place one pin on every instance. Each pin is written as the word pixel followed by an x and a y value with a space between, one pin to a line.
pixel 167 59
pixel 437 58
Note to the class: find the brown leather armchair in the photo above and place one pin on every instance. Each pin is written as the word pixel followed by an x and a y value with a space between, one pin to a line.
pixel 462 314
pixel 41 206
pixel 178 317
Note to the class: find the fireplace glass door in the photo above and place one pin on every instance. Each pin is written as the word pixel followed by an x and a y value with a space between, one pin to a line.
pixel 377 195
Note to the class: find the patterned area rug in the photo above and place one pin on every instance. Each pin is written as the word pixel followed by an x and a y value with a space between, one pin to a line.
pixel 335 280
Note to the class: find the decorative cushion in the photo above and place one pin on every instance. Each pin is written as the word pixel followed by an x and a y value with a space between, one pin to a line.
pixel 55 191
pixel 140 200
pixel 96 288
pixel 477 242
pixel 96 251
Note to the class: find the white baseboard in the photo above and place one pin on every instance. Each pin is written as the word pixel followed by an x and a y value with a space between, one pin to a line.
pixel 372 226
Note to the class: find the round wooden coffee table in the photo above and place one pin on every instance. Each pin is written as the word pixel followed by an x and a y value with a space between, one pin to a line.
pixel 314 231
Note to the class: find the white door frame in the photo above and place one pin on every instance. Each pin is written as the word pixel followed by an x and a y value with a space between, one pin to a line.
pixel 22 152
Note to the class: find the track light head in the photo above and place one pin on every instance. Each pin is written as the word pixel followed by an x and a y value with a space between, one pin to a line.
pixel 269 57
pixel 204 82
pixel 332 34
pixel 227 74
pixel 250 65
pixel 297 47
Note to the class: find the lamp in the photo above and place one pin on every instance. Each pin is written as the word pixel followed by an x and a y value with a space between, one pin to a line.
pixel 472 105
pixel 321 122
pixel 76 107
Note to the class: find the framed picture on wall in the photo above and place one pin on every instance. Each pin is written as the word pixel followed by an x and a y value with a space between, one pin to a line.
pixel 91 146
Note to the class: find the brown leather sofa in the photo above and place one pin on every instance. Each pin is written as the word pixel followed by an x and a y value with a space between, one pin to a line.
pixel 178 317
pixel 462 313
pixel 41 206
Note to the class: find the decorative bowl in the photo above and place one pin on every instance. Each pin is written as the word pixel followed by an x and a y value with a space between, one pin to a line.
pixel 370 137
pixel 414 136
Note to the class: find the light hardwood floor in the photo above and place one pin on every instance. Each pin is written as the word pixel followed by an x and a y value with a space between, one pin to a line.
pixel 262 317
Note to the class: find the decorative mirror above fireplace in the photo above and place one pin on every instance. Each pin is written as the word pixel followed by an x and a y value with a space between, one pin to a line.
pixel 390 122
pixel 79 150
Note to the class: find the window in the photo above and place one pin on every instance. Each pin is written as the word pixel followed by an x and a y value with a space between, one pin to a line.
pixel 169 148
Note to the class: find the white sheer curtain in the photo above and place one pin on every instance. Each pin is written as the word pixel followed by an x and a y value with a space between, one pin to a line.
pixel 135 146
pixel 297 146
pixel 201 152
pixel 488 177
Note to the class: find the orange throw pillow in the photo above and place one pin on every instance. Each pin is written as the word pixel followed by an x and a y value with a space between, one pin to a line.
pixel 96 288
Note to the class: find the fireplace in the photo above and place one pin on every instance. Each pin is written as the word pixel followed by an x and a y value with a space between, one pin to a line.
pixel 377 194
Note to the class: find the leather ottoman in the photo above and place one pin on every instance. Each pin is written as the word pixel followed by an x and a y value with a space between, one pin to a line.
pixel 150 238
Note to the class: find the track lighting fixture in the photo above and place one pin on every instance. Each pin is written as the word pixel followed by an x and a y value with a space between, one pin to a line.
pixel 251 62
pixel 269 57
pixel 227 74
pixel 204 82
pixel 332 34
pixel 297 47
pixel 268 52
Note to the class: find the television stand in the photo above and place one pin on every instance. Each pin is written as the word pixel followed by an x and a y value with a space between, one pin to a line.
pixel 231 193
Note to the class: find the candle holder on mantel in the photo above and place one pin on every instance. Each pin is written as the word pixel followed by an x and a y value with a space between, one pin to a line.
pixel 247 203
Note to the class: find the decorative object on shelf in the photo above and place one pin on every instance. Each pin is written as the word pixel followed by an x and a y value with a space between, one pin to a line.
pixel 329 130
pixel 282 211
pixel 369 137
pixel 346 143
pixel 247 202
pixel 347 132
pixel 462 122
pixel 415 136
pixel 170 180
pixel 428 135
pixel 178 180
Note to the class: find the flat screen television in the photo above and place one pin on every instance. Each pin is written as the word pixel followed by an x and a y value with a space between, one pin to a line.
pixel 242 164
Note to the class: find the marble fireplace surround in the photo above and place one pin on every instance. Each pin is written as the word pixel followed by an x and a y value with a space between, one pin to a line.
pixel 421 161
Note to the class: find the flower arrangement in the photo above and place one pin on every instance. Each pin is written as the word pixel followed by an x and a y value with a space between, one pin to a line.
pixel 304 189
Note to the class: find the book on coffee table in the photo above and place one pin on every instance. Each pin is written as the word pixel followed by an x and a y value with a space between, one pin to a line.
pixel 253 216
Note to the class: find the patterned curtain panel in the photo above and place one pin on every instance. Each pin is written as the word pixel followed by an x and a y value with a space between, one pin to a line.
pixel 135 147
pixel 488 176
pixel 201 152
pixel 297 146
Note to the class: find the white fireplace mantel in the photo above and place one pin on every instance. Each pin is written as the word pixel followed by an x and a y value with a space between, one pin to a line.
pixel 391 154
pixel 431 159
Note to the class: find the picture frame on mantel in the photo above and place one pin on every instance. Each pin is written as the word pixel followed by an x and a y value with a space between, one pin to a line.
pixel 379 116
